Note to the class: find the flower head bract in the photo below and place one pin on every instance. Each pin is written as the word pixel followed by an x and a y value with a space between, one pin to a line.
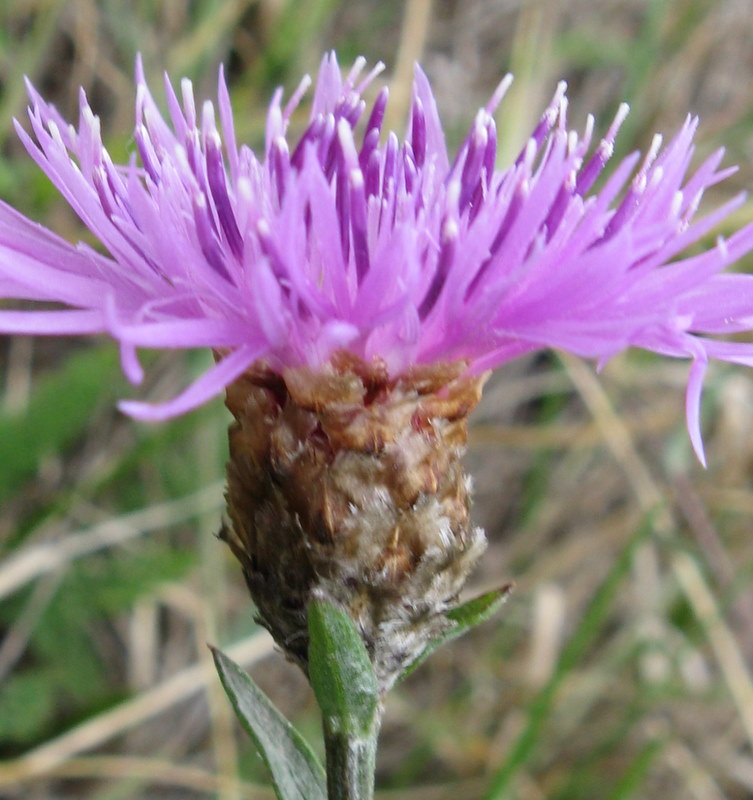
pixel 353 239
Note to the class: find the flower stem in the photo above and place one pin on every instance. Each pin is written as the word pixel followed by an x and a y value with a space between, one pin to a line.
pixel 351 763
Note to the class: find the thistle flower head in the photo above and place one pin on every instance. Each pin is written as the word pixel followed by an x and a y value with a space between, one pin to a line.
pixel 351 239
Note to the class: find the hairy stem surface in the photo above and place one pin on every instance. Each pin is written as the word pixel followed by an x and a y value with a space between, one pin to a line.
pixel 351 763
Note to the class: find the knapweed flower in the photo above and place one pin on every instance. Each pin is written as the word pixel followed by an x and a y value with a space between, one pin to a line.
pixel 355 288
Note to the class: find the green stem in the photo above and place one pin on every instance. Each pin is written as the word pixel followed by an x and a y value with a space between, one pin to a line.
pixel 351 763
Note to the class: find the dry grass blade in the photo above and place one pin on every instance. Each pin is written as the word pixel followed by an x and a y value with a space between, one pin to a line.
pixel 413 34
pixel 127 715
pixel 152 770
pixel 33 562
pixel 204 36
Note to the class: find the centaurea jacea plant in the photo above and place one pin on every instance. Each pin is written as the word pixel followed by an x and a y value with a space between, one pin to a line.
pixel 355 290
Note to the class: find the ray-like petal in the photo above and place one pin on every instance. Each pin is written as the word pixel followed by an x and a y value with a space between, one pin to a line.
pixel 52 323
pixel 210 384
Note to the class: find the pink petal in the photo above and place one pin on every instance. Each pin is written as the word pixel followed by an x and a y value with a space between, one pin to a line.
pixel 211 383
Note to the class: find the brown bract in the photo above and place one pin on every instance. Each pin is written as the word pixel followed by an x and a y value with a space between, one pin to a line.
pixel 346 483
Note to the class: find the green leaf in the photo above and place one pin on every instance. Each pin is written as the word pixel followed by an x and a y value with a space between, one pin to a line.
pixel 27 703
pixel 462 618
pixel 296 771
pixel 633 779
pixel 474 612
pixel 341 672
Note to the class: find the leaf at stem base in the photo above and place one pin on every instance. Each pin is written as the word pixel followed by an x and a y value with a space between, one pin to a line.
pixel 297 774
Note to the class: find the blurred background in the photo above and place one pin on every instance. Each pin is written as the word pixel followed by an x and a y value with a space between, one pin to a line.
pixel 621 666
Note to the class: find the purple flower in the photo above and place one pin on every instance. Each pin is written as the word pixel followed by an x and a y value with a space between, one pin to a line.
pixel 351 239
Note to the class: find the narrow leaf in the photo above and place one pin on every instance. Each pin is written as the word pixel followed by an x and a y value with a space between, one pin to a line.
pixel 340 671
pixel 462 618
pixel 296 771
pixel 474 612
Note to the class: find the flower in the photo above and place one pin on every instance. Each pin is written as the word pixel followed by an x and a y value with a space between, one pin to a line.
pixel 348 240
pixel 356 290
